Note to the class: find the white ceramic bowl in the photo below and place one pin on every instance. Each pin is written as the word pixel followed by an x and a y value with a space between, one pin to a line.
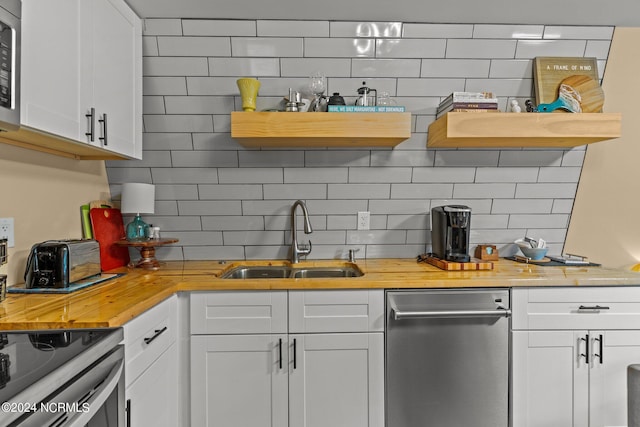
pixel 535 254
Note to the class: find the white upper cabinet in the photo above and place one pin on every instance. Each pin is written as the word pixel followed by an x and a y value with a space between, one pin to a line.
pixel 81 78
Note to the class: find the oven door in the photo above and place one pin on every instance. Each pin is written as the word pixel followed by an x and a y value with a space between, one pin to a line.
pixel 94 398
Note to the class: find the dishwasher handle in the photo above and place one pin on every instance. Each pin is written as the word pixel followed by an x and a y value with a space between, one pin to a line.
pixel 399 315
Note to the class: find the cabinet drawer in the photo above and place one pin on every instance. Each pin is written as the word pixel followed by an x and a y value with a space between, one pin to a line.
pixel 147 336
pixel 336 311
pixel 239 312
pixel 576 308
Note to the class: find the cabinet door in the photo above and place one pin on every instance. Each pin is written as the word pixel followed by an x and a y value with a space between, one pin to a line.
pixel 152 399
pixel 336 380
pixel 550 379
pixel 53 43
pixel 238 381
pixel 116 68
pixel 608 375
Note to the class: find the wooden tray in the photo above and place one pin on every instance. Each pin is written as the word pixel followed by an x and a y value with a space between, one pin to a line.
pixel 474 264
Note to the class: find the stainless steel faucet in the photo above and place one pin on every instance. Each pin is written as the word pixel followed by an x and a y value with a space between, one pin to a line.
pixel 297 250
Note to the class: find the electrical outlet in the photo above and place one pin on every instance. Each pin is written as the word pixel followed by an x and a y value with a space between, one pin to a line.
pixel 363 220
pixel 6 231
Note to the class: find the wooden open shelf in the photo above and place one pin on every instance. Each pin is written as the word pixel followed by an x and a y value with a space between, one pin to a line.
pixel 494 130
pixel 288 129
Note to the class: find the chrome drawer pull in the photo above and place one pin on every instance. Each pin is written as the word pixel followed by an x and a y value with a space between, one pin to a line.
pixel 156 334
pixel 593 307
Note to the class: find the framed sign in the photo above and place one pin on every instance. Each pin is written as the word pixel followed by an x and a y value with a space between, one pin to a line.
pixel 549 71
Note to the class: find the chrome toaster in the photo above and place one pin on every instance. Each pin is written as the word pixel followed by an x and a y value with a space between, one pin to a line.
pixel 59 263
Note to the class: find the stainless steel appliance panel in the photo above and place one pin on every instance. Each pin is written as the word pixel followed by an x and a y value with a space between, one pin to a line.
pixel 10 41
pixel 447 358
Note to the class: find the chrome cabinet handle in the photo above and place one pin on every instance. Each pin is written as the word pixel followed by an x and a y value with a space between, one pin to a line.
pixel 586 348
pixel 593 307
pixel 92 124
pixel 155 335
pixel 103 121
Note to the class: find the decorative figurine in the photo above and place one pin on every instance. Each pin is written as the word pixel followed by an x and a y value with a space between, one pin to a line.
pixel 515 107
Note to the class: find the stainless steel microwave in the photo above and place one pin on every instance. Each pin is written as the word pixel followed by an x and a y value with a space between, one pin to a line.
pixel 10 64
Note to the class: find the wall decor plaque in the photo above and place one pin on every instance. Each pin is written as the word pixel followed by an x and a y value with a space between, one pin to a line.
pixel 550 71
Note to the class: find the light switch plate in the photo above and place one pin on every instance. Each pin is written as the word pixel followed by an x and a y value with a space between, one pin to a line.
pixel 6 231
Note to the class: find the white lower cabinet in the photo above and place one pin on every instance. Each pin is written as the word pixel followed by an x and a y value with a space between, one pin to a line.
pixel 151 367
pixel 285 379
pixel 565 377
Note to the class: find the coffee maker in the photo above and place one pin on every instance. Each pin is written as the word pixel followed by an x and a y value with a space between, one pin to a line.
pixel 450 228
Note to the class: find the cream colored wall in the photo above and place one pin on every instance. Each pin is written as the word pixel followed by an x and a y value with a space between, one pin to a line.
pixel 605 220
pixel 43 194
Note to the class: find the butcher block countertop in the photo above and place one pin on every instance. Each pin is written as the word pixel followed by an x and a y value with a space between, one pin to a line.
pixel 113 303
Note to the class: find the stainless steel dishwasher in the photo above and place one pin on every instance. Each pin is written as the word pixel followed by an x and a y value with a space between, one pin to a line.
pixel 447 358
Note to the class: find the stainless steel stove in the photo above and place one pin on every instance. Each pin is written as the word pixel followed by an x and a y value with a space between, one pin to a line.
pixel 62 378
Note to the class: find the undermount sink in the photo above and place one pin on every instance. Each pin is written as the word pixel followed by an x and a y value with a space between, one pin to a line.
pixel 286 272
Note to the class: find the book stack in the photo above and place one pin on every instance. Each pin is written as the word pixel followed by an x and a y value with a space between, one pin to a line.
pixel 468 101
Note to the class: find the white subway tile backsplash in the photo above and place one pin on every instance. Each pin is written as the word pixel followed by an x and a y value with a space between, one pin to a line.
pixel 166 141
pixel 444 174
pixel 410 48
pixel 545 191
pixel 338 48
pixel 358 191
pixel 467 158
pixel 533 48
pixel 421 191
pixel 250 175
pixel 577 32
pixel 484 31
pixel 479 48
pixel 365 29
pixel 198 104
pixel 178 123
pixel 162 27
pixel 295 191
pixel 225 201
pixel 184 175
pixel 464 68
pixel 218 27
pixel 266 47
pixel 522 206
pixel 279 28
pixel 437 31
pixel 149 46
pixel 565 174
pixel 231 222
pixel 244 67
pixel 194 46
pixel 153 105
pixel 386 67
pixel 164 86
pixel 304 67
pixel 484 191
pixel 511 68
pixel 229 191
pixel 539 221
pixel 205 208
pixel 204 159
pixel 506 174
pixel 598 49
pixel 379 174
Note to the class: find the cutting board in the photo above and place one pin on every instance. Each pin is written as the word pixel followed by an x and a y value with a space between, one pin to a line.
pixel 474 264
pixel 107 229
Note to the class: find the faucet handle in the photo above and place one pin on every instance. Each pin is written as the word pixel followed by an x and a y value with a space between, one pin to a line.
pixel 352 255
pixel 304 249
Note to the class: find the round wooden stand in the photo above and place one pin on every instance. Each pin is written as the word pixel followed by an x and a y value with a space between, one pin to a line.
pixel 147 250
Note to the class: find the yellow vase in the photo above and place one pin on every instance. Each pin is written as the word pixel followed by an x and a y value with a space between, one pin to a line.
pixel 248 93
